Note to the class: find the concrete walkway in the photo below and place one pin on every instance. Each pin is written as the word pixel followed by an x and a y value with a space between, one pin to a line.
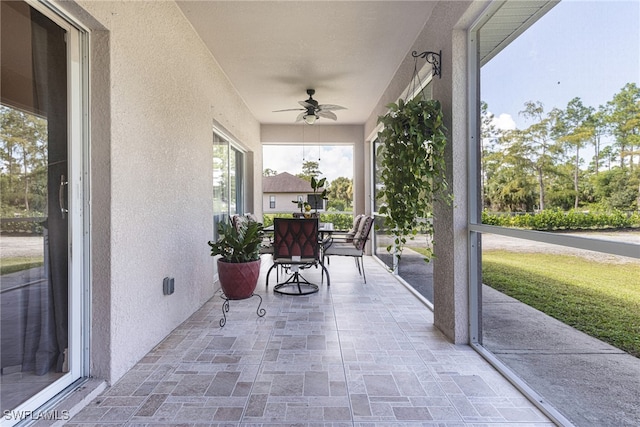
pixel 588 381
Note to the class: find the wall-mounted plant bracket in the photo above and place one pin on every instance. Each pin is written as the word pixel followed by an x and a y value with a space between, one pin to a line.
pixel 433 58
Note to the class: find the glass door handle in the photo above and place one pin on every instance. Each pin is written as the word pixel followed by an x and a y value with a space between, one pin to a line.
pixel 63 183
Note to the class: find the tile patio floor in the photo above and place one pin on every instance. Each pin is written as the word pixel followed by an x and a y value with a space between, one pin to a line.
pixel 353 354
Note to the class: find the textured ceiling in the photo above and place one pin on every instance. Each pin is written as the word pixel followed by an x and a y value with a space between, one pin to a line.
pixel 272 51
pixel 348 51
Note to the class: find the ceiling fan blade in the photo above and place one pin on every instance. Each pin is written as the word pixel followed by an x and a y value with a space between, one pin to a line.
pixel 312 108
pixel 327 114
pixel 289 109
pixel 327 107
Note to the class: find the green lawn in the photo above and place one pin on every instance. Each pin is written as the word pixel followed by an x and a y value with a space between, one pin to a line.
pixel 11 265
pixel 599 299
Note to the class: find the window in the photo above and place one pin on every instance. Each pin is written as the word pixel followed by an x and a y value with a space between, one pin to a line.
pixel 272 202
pixel 228 180
pixel 315 201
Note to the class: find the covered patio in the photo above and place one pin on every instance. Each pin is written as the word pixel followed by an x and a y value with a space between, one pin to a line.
pixel 351 354
pixel 158 110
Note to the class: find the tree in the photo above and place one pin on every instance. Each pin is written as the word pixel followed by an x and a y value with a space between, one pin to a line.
pixel 561 193
pixel 548 153
pixel 269 172
pixel 624 118
pixel 597 121
pixel 608 155
pixel 340 193
pixel 309 169
pixel 23 150
pixel 511 186
pixel 617 188
pixel 574 127
pixel 537 144
pixel 489 153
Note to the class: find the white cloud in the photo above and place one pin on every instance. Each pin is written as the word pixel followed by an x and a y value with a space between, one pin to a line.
pixel 336 161
pixel 282 158
pixel 504 122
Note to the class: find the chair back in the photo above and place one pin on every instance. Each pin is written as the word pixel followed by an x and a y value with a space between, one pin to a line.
pixel 356 224
pixel 362 235
pixel 295 237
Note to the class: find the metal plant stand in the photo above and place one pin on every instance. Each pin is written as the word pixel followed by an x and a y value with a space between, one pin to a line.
pixel 225 308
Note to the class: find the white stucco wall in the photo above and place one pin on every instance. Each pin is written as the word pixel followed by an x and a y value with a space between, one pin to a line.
pixel 165 92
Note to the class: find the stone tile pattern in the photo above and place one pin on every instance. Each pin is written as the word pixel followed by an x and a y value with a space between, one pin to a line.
pixel 353 354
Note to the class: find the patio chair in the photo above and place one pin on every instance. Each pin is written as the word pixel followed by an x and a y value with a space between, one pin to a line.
pixel 296 247
pixel 346 236
pixel 353 248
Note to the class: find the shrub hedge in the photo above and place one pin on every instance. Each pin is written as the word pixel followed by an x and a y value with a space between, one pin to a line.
pixel 341 221
pixel 542 221
pixel 559 220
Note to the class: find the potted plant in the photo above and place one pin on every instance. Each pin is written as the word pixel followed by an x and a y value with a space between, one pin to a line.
pixel 239 264
pixel 305 207
pixel 412 167
pixel 316 185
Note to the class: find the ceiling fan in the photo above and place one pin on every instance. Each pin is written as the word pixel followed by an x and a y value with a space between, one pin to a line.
pixel 312 111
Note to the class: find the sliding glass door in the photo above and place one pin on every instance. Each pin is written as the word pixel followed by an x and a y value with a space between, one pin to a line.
pixel 41 209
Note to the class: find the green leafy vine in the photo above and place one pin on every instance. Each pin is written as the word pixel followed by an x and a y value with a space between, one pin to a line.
pixel 412 167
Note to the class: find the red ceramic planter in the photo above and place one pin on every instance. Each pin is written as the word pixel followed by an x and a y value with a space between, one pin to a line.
pixel 238 280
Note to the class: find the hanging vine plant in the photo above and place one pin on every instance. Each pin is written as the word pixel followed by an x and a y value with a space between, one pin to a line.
pixel 413 169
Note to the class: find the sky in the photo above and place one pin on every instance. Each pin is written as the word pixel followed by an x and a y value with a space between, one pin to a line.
pixel 581 48
pixel 588 49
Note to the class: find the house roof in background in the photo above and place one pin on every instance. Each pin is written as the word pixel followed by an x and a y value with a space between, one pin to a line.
pixel 286 183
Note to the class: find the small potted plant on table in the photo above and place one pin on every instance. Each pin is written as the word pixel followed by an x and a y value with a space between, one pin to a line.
pixel 316 185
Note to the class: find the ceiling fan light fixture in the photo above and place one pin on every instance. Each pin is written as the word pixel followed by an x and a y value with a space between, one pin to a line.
pixel 311 110
pixel 310 118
